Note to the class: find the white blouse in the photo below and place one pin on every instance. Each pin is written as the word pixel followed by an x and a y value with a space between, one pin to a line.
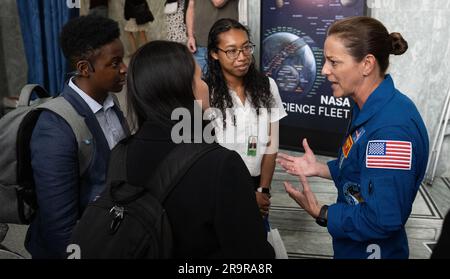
pixel 249 128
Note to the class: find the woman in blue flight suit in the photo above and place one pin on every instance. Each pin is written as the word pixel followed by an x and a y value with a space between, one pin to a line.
pixel 383 159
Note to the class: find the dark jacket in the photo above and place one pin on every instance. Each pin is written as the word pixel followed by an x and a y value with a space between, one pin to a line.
pixel 98 3
pixel 442 248
pixel 62 195
pixel 213 211
pixel 132 11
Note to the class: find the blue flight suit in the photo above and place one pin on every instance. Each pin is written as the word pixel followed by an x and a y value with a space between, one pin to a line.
pixel 378 173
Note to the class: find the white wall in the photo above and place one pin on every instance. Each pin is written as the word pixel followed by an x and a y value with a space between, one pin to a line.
pixel 254 23
pixel 423 71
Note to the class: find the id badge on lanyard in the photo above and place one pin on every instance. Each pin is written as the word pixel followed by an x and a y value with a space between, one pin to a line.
pixel 252 146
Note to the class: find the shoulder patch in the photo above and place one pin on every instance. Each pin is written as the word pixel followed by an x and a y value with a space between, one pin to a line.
pixel 389 154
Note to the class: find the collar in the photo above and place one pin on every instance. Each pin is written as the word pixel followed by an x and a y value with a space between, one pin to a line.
pixel 153 130
pixel 376 101
pixel 93 104
pixel 237 101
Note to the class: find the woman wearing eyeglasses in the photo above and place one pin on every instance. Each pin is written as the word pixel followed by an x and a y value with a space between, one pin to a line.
pixel 248 104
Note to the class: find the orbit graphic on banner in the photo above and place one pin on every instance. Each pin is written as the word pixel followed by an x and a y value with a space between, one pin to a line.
pixel 289 60
pixel 348 3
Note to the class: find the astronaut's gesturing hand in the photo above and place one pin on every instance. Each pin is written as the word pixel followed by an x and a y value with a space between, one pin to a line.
pixel 306 165
pixel 304 196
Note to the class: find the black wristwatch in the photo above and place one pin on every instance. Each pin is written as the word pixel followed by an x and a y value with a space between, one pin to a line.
pixel 263 190
pixel 321 220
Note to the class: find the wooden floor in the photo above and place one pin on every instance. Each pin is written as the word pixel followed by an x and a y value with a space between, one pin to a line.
pixel 303 238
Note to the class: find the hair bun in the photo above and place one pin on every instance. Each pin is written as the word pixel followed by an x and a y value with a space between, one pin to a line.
pixel 399 45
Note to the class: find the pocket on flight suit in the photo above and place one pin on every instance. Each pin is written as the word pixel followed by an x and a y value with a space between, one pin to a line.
pixel 387 202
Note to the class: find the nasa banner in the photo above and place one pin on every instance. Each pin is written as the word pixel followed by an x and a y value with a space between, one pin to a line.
pixel 293 35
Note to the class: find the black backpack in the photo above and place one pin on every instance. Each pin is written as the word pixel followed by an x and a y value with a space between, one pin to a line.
pixel 130 222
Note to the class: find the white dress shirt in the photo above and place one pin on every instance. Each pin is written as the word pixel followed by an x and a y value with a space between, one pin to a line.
pixel 249 125
pixel 106 116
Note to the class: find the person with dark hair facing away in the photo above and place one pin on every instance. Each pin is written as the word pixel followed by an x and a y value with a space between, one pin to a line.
pixel 249 104
pixel 212 214
pixel 94 50
pixel 384 154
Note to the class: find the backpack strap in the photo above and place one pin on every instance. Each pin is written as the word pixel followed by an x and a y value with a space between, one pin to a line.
pixel 117 177
pixel 167 175
pixel 83 135
pixel 175 166
pixel 27 91
pixel 117 170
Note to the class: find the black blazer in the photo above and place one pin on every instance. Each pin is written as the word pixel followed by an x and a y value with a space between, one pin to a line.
pixel 131 12
pixel 213 210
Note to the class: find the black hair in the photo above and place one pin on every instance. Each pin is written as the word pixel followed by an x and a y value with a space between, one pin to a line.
pixel 256 84
pixel 160 79
pixel 364 35
pixel 82 36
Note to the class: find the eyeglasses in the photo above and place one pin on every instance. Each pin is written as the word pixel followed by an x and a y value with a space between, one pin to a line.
pixel 234 53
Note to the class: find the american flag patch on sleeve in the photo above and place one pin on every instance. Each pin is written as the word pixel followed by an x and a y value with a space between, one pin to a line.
pixel 389 154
